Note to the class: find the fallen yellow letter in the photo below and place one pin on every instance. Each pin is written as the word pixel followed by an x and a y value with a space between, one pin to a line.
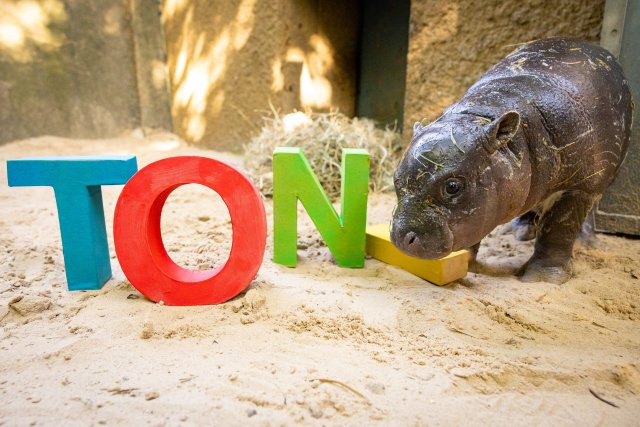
pixel 438 271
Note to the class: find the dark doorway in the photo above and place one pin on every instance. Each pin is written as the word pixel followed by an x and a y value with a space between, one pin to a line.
pixel 382 62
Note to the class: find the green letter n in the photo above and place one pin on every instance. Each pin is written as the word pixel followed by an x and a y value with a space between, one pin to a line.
pixel 344 234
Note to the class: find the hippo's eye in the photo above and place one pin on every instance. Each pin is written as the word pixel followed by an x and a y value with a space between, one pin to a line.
pixel 452 186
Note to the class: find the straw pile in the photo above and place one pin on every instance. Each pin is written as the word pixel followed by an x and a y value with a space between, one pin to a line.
pixel 322 136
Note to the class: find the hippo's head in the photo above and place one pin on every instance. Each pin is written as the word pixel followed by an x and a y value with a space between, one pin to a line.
pixel 461 176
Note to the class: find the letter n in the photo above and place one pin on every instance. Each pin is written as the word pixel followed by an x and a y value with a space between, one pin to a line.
pixel 344 234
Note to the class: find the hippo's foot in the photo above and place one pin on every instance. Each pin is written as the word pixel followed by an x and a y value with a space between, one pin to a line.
pixel 535 271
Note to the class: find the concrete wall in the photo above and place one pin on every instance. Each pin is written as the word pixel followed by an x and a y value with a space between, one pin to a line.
pixel 619 209
pixel 98 68
pixel 229 59
pixel 452 43
pixel 80 68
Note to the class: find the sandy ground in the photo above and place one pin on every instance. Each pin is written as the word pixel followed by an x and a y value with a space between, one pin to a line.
pixel 313 345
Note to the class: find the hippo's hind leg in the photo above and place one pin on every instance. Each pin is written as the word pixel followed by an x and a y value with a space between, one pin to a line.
pixel 587 235
pixel 557 232
pixel 524 228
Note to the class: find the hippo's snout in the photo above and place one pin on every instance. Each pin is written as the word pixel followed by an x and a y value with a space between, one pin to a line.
pixel 430 238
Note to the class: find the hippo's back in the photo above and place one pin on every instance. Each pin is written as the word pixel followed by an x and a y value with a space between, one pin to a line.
pixel 579 92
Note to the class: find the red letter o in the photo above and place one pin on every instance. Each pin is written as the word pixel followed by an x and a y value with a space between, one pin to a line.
pixel 138 240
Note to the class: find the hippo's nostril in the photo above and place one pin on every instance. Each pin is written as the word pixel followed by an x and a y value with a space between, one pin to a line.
pixel 410 238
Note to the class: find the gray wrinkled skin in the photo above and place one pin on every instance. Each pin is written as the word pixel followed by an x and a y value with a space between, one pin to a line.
pixel 540 136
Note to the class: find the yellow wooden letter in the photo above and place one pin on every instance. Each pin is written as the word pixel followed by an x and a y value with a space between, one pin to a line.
pixel 439 271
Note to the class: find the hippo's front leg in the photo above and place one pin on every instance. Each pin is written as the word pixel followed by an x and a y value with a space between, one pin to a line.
pixel 473 256
pixel 557 232
pixel 524 227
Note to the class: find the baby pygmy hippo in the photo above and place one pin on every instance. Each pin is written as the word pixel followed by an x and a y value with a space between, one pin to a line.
pixel 540 136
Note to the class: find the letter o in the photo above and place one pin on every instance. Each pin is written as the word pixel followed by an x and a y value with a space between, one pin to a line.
pixel 138 239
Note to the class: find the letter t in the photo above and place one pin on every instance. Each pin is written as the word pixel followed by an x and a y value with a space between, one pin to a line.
pixel 76 183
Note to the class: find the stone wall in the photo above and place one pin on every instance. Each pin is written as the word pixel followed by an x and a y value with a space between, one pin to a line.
pixel 452 43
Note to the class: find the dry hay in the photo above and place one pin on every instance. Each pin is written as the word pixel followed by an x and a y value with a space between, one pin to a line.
pixel 322 136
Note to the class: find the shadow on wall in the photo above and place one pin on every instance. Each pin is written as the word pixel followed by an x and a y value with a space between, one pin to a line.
pixel 452 43
pixel 202 61
pixel 28 28
pixel 30 32
pixel 229 60
pixel 66 68
pixel 315 90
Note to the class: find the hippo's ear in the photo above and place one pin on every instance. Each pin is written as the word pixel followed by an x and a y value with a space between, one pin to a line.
pixel 502 131
pixel 416 127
